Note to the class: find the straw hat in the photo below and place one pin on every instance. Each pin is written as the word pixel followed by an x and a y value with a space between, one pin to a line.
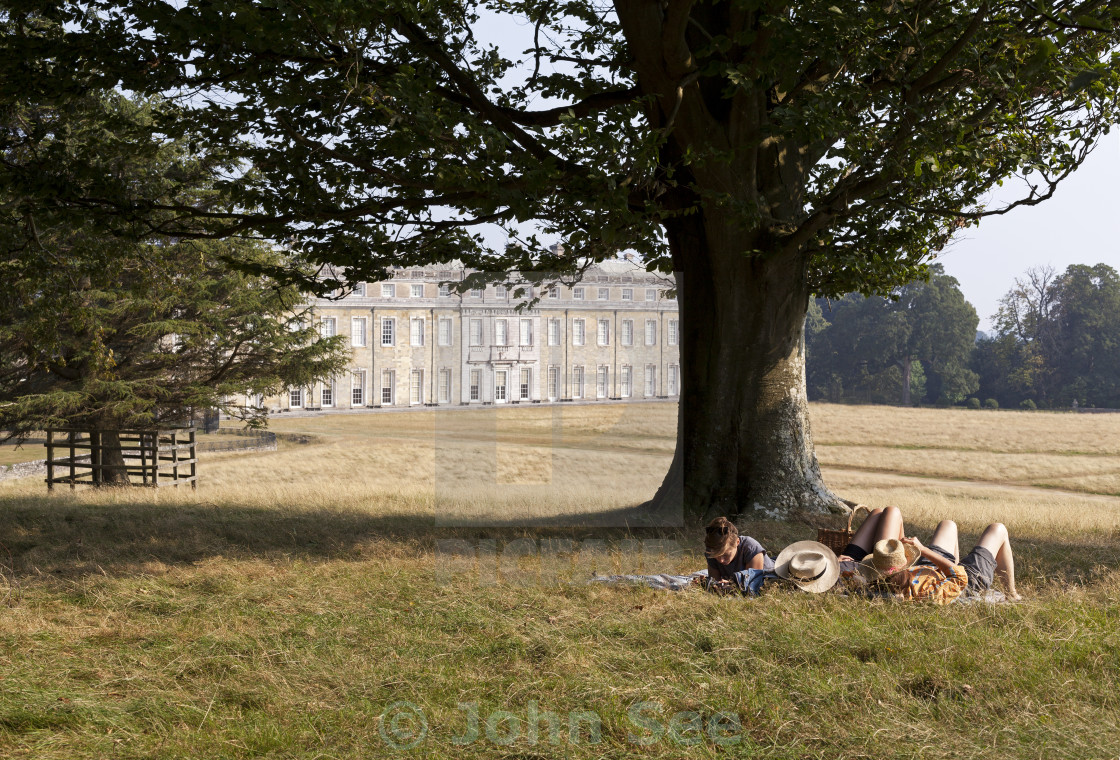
pixel 889 556
pixel 809 564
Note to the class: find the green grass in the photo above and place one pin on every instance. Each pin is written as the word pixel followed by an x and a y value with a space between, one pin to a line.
pixel 291 640
pixel 213 625
pixel 29 452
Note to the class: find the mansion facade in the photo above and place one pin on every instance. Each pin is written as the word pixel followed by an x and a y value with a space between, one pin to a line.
pixel 415 341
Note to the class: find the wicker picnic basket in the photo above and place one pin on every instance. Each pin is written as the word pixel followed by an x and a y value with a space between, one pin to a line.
pixel 839 538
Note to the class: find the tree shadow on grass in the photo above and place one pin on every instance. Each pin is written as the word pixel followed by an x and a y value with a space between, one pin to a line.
pixel 44 536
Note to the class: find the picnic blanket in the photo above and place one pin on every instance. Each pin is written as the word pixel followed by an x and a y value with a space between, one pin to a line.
pixel 749 582
pixel 991 596
pixel 665 581
pixel 671 582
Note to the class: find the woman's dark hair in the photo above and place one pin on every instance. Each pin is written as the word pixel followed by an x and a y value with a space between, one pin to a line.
pixel 720 535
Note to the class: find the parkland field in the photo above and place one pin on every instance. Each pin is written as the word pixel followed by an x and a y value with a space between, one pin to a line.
pixel 416 585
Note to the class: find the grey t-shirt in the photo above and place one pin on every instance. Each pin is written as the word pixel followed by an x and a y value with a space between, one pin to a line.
pixel 748 548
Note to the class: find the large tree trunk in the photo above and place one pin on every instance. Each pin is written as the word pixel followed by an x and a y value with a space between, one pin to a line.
pixel 743 439
pixel 734 201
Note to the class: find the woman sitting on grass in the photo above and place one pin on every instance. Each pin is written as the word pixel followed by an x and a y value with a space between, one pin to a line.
pixel 915 571
pixel 731 556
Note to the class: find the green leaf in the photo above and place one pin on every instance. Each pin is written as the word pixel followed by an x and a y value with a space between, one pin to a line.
pixel 1084 79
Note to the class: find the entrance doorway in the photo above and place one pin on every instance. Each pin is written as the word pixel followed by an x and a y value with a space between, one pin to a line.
pixel 500 382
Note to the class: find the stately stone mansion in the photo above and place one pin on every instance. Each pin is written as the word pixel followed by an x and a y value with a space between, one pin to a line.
pixel 415 341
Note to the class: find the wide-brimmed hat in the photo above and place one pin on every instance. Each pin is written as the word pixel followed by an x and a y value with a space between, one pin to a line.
pixel 890 556
pixel 809 564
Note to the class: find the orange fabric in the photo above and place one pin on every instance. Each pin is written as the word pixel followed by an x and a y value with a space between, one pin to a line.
pixel 927 582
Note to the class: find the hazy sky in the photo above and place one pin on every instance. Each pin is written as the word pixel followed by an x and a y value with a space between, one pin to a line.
pixel 1079 225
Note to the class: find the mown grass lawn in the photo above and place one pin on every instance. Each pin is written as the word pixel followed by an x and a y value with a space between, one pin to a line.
pixel 298 605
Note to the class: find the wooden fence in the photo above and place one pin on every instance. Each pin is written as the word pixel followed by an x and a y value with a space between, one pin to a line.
pixel 151 457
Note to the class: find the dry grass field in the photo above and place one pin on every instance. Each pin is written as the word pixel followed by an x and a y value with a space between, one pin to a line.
pixel 29 452
pixel 283 608
pixel 1039 472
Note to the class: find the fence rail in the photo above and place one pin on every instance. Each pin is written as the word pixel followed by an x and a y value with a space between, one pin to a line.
pixel 158 452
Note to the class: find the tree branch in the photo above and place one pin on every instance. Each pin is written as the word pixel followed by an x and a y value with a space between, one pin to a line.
pixel 677 56
pixel 925 80
pixel 479 100
pixel 600 101
pixel 348 158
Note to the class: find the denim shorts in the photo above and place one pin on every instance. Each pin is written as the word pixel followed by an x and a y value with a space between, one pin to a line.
pixel 981 568
pixel 978 564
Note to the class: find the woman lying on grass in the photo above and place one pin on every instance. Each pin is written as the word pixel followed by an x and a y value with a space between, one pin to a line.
pixel 880 524
pixel 915 571
pixel 731 556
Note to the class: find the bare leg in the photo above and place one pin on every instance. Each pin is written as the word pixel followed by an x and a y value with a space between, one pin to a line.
pixel 880 524
pixel 946 537
pixel 863 534
pixel 890 525
pixel 995 539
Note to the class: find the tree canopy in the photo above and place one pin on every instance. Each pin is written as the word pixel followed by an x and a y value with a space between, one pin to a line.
pixel 385 133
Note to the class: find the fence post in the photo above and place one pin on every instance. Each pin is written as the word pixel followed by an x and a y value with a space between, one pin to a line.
pixel 150 443
pixel 50 460
pixel 194 460
pixel 73 467
pixel 143 456
pixel 95 457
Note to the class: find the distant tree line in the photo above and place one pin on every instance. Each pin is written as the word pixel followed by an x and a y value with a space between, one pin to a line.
pixel 1056 340
pixel 1056 343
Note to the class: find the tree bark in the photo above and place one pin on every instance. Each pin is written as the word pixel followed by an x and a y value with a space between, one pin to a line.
pixel 744 444
pixel 111 454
